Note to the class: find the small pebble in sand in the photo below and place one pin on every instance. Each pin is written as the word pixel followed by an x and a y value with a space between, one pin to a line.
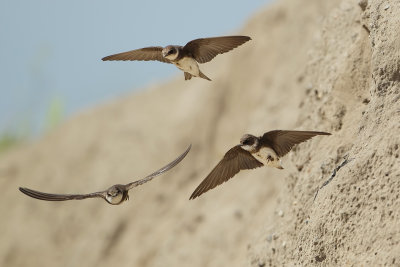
pixel 363 4
pixel 386 7
pixel 280 213
pixel 309 86
pixel 275 236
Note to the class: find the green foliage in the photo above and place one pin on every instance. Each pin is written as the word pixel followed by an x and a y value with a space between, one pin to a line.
pixel 8 141
pixel 12 138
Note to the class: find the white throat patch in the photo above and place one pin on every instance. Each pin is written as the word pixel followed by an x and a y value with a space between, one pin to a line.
pixel 172 57
pixel 247 148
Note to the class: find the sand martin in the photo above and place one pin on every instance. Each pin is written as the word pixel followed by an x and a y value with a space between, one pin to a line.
pixel 185 57
pixel 114 195
pixel 254 152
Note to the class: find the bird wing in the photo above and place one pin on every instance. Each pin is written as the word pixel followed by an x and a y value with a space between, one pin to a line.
pixel 146 54
pixel 160 171
pixel 283 141
pixel 59 197
pixel 205 49
pixel 235 159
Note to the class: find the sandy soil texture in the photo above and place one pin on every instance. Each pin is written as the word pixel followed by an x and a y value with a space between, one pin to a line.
pixel 316 65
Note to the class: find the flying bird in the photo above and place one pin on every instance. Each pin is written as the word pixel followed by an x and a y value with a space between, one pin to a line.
pixel 114 195
pixel 254 152
pixel 185 57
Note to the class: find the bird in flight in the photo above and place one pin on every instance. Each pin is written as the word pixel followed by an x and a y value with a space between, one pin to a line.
pixel 114 195
pixel 185 57
pixel 253 152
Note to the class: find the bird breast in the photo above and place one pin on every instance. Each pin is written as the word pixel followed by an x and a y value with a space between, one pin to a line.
pixel 267 156
pixel 114 199
pixel 188 64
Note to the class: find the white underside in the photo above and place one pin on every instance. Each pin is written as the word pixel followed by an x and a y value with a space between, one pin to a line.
pixel 268 157
pixel 114 200
pixel 188 64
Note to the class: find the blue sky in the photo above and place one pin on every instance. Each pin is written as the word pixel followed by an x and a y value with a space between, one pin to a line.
pixel 51 50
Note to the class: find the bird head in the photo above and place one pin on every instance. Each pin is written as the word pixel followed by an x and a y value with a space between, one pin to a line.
pixel 170 52
pixel 116 194
pixel 249 142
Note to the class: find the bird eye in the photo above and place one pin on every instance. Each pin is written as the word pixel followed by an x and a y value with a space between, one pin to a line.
pixel 170 52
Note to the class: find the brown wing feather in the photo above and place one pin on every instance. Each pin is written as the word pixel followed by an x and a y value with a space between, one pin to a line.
pixel 160 171
pixel 146 54
pixel 58 197
pixel 205 49
pixel 235 159
pixel 283 141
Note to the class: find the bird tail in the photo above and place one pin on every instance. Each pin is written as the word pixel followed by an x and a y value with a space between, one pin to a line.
pixel 203 76
pixel 188 76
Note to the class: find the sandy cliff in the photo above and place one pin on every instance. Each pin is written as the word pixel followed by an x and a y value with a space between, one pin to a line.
pixel 315 65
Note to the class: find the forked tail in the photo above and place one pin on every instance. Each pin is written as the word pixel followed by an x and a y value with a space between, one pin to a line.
pixel 203 76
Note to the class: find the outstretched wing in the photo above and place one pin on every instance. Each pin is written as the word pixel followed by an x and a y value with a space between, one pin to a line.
pixel 146 54
pixel 205 49
pixel 160 171
pixel 235 159
pixel 283 141
pixel 58 197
